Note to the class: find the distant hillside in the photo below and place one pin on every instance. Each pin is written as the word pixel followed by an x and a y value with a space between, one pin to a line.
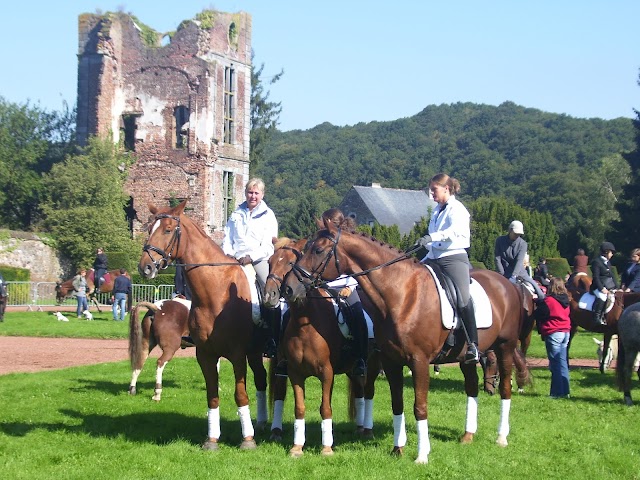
pixel 542 161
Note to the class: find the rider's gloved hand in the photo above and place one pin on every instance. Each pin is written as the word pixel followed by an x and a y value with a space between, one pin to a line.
pixel 245 260
pixel 423 241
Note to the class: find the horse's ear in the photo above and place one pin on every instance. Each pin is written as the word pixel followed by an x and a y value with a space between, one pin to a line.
pixel 152 208
pixel 180 208
pixel 329 225
pixel 320 223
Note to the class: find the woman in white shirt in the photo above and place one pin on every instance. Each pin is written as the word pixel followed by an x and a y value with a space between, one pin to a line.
pixel 449 236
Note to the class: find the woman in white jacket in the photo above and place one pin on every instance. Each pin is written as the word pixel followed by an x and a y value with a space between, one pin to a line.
pixel 449 237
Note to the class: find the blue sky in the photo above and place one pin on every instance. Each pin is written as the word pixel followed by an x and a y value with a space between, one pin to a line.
pixel 356 61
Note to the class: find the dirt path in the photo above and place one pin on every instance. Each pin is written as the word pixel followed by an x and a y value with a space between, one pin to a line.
pixel 34 354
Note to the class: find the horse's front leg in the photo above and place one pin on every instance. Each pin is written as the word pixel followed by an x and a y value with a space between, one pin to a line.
pixel 505 366
pixel 325 411
pixel 260 381
pixel 421 380
pixel 395 379
pixel 297 382
pixel 278 386
pixel 210 372
pixel 470 373
pixel 605 350
pixel 242 401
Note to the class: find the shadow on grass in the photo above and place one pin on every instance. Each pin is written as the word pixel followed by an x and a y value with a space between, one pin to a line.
pixel 113 388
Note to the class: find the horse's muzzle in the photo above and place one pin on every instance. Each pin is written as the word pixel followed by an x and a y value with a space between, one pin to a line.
pixel 148 270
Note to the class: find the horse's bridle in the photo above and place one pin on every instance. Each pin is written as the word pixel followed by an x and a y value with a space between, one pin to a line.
pixel 313 279
pixel 172 246
pixel 277 278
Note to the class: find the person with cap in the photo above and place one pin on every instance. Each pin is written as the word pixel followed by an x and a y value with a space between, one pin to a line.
pixel 509 252
pixel 603 281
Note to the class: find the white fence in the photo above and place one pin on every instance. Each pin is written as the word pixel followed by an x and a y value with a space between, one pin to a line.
pixel 33 295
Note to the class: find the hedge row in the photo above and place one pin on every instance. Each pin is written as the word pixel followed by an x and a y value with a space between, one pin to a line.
pixel 15 274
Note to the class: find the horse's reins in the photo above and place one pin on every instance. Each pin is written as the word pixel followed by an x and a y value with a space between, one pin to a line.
pixel 314 278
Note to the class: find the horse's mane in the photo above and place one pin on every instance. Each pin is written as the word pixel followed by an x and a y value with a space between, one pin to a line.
pixel 282 241
pixel 373 239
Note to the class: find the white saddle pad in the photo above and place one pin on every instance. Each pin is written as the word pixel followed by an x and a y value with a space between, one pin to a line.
pixel 586 302
pixel 481 305
pixel 250 272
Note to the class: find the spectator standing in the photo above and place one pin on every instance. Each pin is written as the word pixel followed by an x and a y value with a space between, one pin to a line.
pixel 80 287
pixel 554 325
pixel 631 275
pixel 121 288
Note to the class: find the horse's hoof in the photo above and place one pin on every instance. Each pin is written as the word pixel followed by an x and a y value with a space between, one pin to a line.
pixel 132 390
pixel 156 398
pixel 210 446
pixel 367 434
pixel 520 390
pixel 502 441
pixel 248 444
pixel 326 451
pixel 296 451
pixel 276 435
pixel 489 391
pixel 422 460
pixel 627 401
pixel 466 438
pixel 261 426
pixel 397 451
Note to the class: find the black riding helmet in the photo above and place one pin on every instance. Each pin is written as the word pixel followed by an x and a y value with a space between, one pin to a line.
pixel 607 246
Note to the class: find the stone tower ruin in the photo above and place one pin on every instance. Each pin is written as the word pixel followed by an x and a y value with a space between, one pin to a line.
pixel 180 106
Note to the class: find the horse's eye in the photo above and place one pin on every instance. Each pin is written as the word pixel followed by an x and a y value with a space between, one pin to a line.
pixel 319 250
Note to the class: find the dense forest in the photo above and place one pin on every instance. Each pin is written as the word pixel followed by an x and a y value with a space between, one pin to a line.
pixel 570 168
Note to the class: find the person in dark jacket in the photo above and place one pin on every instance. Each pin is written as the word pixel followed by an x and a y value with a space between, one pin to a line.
pixel 181 288
pixel 554 325
pixel 99 269
pixel 603 281
pixel 580 262
pixel 121 288
pixel 631 275
pixel 541 274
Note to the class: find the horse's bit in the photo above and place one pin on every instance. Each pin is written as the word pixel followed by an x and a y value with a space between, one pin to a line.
pixel 313 279
pixel 173 244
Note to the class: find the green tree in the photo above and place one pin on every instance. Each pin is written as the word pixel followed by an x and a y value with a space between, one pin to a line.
pixel 31 140
pixel 265 113
pixel 84 202
pixel 302 222
pixel 625 232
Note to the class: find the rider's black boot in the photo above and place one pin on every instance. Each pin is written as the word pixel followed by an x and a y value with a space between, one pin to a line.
pixel 598 311
pixel 469 320
pixel 272 331
pixel 360 333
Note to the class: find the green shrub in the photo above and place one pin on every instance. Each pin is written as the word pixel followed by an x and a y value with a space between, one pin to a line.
pixel 117 260
pixel 478 265
pixel 15 274
pixel 160 279
pixel 558 267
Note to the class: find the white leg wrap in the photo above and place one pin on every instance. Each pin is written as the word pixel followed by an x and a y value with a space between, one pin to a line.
pixel 298 432
pixel 245 421
pixel 261 400
pixel 359 404
pixel 503 426
pixel 326 426
pixel 134 377
pixel 213 420
pixel 472 415
pixel 424 445
pixel 368 414
pixel 399 431
pixel 278 407
pixel 159 371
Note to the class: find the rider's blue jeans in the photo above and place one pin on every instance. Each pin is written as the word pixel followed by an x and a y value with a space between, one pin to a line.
pixel 557 344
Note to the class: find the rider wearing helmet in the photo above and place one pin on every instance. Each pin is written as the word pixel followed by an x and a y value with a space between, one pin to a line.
pixel 603 281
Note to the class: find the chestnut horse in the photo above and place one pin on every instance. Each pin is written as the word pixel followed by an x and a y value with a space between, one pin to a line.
pixel 577 286
pixel 221 320
pixel 64 289
pixel 408 325
pixel 165 324
pixel 315 347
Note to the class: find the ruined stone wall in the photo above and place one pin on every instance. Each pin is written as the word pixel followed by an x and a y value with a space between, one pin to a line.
pixel 120 76
pixel 27 250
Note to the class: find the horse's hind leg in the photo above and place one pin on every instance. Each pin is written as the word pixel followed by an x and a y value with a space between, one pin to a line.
pixel 470 373
pixel 260 381
pixel 210 372
pixel 299 438
pixel 326 412
pixel 373 368
pixel 279 391
pixel 505 366
pixel 396 380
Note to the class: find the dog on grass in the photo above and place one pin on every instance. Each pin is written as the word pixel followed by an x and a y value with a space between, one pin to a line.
pixel 60 317
pixel 87 315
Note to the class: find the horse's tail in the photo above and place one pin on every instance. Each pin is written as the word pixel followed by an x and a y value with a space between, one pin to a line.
pixel 136 355
pixel 620 368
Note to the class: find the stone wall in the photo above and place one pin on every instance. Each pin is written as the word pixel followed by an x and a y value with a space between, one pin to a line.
pixel 26 250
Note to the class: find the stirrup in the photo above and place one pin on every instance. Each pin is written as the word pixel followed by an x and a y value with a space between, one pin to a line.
pixel 472 355
pixel 270 349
